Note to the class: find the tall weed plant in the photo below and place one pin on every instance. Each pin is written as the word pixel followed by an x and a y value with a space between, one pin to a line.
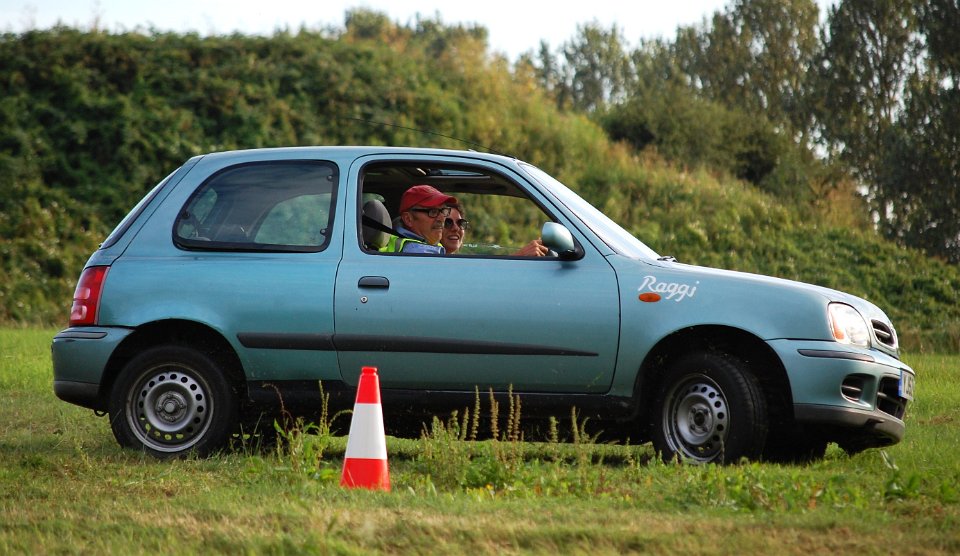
pixel 452 456
pixel 301 445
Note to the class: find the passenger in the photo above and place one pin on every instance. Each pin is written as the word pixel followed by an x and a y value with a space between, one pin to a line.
pixel 423 210
pixel 455 228
pixel 535 248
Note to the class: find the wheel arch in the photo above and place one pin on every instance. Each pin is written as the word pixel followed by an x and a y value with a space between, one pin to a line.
pixel 761 359
pixel 180 332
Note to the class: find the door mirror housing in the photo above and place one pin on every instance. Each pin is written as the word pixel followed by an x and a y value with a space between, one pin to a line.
pixel 559 239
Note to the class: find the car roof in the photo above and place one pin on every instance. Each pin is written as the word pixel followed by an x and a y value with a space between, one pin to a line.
pixel 355 151
pixel 390 179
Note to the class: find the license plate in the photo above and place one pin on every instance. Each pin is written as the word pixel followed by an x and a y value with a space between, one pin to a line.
pixel 907 381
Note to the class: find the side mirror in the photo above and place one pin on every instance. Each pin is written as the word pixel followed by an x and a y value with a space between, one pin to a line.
pixel 558 238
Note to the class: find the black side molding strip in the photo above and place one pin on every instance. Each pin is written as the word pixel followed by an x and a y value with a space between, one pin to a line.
pixel 830 354
pixel 362 342
pixel 404 344
pixel 277 340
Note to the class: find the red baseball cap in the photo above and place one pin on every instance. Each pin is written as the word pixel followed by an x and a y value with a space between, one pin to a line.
pixel 425 196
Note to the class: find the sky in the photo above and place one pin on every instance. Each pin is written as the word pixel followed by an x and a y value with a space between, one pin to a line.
pixel 514 27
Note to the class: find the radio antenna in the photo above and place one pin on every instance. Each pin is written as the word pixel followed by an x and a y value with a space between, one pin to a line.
pixel 465 142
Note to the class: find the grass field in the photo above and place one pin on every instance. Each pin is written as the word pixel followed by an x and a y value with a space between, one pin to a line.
pixel 66 487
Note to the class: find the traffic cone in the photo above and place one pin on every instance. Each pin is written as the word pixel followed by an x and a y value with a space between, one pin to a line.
pixel 365 463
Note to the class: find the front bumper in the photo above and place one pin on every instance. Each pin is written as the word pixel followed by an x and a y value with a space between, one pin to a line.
pixel 851 427
pixel 80 357
pixel 852 395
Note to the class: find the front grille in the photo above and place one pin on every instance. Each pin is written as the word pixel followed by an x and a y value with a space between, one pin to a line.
pixel 889 400
pixel 885 334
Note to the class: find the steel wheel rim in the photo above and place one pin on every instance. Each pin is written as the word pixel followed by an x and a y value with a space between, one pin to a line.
pixel 170 408
pixel 696 419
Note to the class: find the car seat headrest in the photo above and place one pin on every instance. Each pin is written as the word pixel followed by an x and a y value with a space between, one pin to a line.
pixel 372 237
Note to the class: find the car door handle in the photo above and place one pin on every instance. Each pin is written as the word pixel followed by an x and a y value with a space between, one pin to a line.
pixel 373 282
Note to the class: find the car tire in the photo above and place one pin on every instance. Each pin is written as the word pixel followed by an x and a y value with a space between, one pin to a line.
pixel 172 400
pixel 709 408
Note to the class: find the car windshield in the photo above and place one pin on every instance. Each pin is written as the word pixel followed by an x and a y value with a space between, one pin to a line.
pixel 609 231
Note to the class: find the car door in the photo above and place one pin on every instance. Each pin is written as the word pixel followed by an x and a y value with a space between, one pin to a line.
pixel 455 323
pixel 252 256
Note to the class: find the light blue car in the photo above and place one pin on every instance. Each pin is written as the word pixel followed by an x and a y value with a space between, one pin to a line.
pixel 246 277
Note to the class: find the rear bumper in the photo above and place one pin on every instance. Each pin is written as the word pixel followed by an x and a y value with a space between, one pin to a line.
pixel 83 394
pixel 80 358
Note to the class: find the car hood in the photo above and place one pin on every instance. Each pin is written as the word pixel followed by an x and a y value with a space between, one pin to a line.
pixel 769 307
pixel 761 280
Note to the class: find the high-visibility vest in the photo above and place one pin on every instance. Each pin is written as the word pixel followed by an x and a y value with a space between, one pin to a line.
pixel 396 244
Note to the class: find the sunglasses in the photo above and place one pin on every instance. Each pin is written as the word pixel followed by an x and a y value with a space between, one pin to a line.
pixel 460 222
pixel 433 212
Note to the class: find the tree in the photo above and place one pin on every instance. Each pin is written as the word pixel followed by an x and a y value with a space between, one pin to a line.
pixel 597 70
pixel 545 69
pixel 870 49
pixel 940 23
pixel 755 56
pixel 783 45
pixel 919 175
pixel 920 171
pixel 714 58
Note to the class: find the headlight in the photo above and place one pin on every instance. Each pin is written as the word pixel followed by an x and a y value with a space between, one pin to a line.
pixel 847 325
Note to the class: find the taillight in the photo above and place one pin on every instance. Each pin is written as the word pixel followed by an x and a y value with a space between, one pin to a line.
pixel 86 298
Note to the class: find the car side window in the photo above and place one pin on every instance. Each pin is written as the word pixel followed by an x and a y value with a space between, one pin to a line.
pixel 499 217
pixel 499 225
pixel 273 206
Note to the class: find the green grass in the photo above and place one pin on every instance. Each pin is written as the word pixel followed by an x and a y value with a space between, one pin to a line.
pixel 65 487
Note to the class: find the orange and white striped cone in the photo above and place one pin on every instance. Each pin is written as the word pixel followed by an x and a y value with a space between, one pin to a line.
pixel 365 463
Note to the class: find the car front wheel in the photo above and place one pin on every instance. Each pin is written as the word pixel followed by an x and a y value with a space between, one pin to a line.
pixel 709 409
pixel 171 400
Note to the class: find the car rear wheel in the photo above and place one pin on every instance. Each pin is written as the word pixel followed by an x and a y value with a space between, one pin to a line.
pixel 172 400
pixel 709 409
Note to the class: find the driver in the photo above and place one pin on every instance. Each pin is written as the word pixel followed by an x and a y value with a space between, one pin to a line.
pixel 422 213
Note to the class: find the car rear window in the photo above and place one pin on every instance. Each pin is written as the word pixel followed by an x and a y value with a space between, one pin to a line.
pixel 267 206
